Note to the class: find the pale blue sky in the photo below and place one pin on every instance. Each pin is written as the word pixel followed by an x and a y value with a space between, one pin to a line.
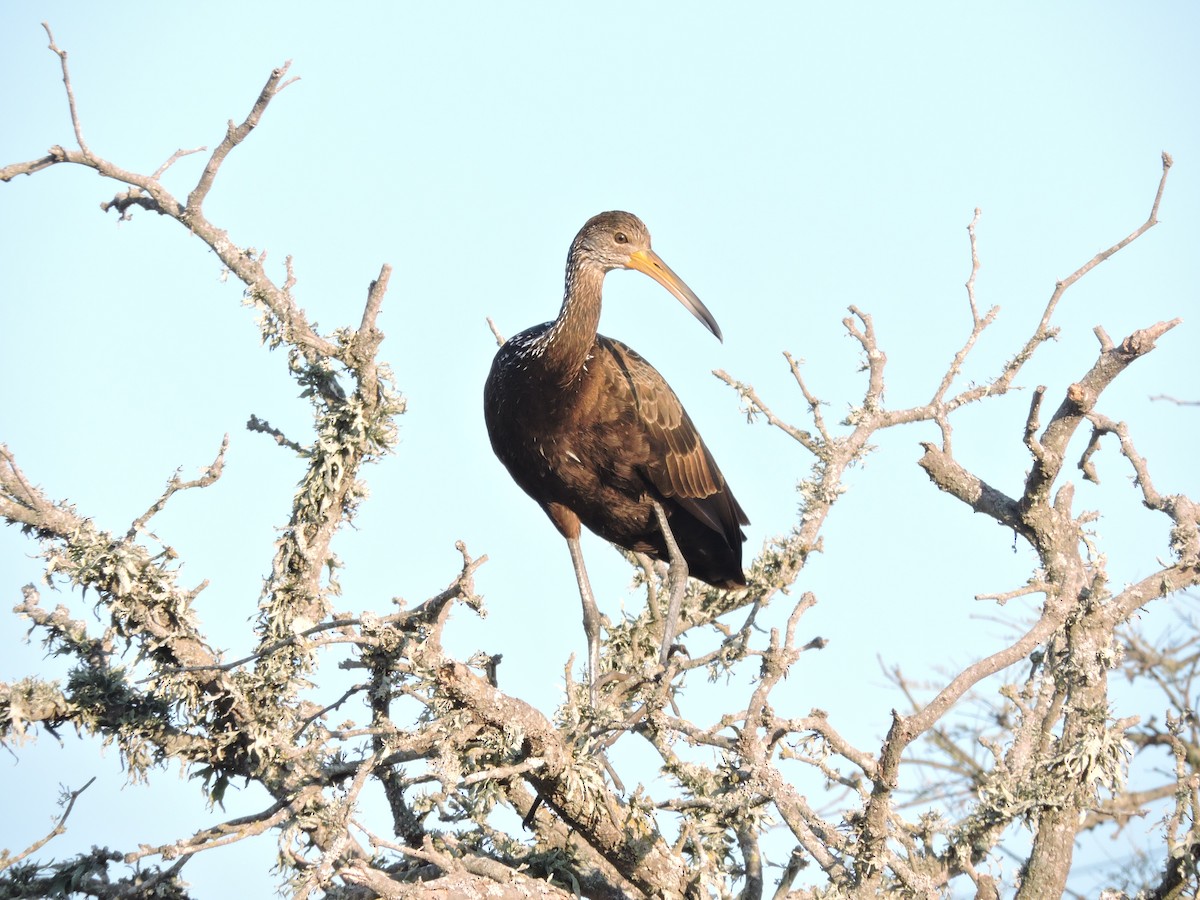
pixel 790 159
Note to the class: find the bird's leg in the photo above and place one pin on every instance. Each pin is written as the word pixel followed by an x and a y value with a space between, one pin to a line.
pixel 591 616
pixel 677 576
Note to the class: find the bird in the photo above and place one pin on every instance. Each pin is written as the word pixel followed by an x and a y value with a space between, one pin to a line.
pixel 595 435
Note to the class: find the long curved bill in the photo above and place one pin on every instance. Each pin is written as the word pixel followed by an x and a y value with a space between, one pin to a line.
pixel 650 263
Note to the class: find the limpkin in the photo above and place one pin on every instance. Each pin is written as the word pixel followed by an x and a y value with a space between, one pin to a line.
pixel 596 436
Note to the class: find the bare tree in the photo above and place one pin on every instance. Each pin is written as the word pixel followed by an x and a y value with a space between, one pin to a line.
pixel 450 751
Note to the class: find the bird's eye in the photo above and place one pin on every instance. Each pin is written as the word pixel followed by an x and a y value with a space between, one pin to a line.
pixel 620 238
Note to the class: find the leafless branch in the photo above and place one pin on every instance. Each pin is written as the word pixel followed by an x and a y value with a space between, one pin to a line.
pixel 210 476
pixel 263 427
pixel 174 158
pixel 234 135
pixel 495 332
pixel 66 72
pixel 1176 401
pixel 7 861
pixel 755 406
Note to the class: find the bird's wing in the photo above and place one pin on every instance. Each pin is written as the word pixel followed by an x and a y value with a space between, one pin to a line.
pixel 678 463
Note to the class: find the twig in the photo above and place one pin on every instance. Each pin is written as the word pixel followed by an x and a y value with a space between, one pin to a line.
pixel 814 404
pixel 978 323
pixel 1168 398
pixel 59 828
pixel 75 121
pixel 234 135
pixel 254 423
pixel 974 267
pixel 529 764
pixel 754 405
pixel 211 473
pixel 218 835
pixel 973 674
pixel 375 300
pixel 308 720
pixel 1033 422
pixel 1081 397
pixel 174 158
pixel 495 332
pixel 1104 425
pixel 1042 332
pixel 1085 461
pixel 1034 587
pixel 876 358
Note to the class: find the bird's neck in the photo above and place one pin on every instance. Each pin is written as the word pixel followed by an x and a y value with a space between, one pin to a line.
pixel 571 337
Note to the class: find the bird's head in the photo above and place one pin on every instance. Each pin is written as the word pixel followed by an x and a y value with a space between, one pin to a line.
pixel 611 239
pixel 620 240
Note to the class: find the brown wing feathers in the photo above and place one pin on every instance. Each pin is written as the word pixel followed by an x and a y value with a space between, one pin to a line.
pixel 679 465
